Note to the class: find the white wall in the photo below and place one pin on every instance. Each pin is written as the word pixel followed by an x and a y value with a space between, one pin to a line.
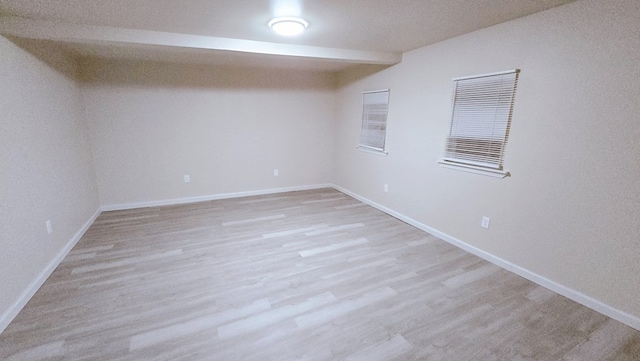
pixel 228 128
pixel 46 170
pixel 570 212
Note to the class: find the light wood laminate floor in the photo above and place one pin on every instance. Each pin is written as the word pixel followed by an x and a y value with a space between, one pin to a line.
pixel 312 275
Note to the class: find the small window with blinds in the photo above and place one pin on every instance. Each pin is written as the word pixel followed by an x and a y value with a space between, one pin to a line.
pixel 480 122
pixel 375 107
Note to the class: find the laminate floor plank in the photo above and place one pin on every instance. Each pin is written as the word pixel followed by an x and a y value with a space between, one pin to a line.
pixel 309 275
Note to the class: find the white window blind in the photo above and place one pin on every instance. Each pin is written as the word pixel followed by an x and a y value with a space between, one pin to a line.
pixel 480 120
pixel 375 107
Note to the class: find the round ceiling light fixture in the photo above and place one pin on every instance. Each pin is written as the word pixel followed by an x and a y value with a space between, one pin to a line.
pixel 288 26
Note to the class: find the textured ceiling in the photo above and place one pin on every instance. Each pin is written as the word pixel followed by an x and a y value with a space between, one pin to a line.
pixel 383 26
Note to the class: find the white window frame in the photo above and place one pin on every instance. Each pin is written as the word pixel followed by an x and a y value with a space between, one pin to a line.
pixel 373 130
pixel 481 113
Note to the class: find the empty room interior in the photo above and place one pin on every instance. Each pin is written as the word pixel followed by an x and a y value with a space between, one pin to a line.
pixel 180 181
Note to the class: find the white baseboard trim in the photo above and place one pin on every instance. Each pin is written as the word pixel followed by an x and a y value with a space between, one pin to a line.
pixel 599 306
pixel 594 304
pixel 12 312
pixel 174 201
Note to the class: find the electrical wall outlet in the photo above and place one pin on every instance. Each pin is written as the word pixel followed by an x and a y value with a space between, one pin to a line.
pixel 187 178
pixel 49 227
pixel 386 188
pixel 276 173
pixel 485 222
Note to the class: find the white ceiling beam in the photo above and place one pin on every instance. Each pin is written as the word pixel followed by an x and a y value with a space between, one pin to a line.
pixel 89 34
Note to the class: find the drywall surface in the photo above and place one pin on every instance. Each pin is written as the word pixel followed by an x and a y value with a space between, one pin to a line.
pixel 227 128
pixel 570 212
pixel 46 168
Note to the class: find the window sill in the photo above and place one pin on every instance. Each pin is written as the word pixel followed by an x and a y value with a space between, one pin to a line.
pixel 475 169
pixel 372 150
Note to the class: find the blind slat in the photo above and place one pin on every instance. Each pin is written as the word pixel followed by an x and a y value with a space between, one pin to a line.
pixel 375 107
pixel 480 119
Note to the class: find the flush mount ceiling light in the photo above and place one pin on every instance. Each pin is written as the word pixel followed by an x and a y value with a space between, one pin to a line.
pixel 288 26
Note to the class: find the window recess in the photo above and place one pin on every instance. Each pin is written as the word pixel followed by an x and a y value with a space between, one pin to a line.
pixel 375 108
pixel 480 122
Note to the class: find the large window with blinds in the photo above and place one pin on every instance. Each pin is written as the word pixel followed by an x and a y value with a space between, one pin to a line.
pixel 375 107
pixel 480 122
